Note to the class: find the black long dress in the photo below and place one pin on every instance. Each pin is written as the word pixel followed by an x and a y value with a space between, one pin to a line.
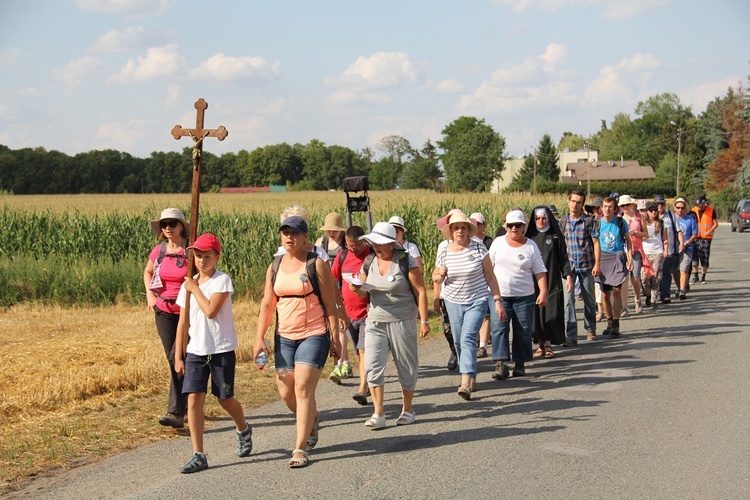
pixel 549 321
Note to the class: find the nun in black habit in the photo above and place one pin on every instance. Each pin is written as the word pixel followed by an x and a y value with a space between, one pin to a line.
pixel 549 321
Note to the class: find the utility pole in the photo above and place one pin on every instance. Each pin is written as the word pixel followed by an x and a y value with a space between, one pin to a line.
pixel 679 153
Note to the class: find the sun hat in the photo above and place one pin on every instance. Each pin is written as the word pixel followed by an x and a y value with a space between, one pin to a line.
pixel 515 217
pixel 642 204
pixel 659 198
pixel 595 203
pixel 170 214
pixel 457 217
pixel 443 221
pixel 296 224
pixel 333 222
pixel 397 221
pixel 206 242
pixel 625 200
pixel 680 199
pixel 382 234
pixel 477 218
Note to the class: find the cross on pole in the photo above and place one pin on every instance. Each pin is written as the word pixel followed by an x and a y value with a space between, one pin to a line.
pixel 197 134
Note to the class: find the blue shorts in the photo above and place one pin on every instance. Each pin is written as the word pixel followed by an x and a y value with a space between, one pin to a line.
pixel 312 351
pixel 637 265
pixel 219 366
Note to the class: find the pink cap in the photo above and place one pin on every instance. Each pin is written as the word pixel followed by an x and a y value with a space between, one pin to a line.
pixel 207 242
pixel 443 221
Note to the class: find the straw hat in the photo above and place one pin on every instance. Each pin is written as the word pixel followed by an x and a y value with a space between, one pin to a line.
pixel 397 221
pixel 625 200
pixel 454 219
pixel 333 222
pixel 170 214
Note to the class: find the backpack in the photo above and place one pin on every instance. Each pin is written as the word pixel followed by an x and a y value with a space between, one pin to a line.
pixel 403 265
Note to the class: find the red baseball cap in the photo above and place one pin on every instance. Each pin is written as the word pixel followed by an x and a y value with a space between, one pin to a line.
pixel 207 242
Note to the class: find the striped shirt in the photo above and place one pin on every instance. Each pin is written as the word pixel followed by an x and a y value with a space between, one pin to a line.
pixel 465 282
pixel 579 235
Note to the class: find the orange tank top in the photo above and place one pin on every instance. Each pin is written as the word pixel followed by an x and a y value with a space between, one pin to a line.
pixel 300 313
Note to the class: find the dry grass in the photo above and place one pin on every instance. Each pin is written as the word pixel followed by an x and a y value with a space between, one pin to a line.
pixel 81 383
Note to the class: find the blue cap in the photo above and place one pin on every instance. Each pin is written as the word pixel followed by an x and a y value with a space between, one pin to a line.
pixel 295 223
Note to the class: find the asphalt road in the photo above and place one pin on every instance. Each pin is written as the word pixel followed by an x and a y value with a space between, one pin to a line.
pixel 661 412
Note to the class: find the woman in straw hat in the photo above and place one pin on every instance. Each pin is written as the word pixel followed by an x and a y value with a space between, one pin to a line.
pixel 333 239
pixel 464 271
pixel 165 272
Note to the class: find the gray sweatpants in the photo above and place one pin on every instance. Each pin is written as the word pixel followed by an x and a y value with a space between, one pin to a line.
pixel 400 339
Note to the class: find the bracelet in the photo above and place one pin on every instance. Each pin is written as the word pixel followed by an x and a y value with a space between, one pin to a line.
pixel 499 299
pixel 425 322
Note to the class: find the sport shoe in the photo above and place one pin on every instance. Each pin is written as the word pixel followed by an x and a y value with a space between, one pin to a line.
pixel 196 463
pixel 666 300
pixel 376 421
pixel 335 375
pixel 361 398
pixel 608 330
pixel 682 295
pixel 465 392
pixel 245 441
pixel 703 279
pixel 482 352
pixel 501 371
pixel 694 279
pixel 452 362
pixel 519 370
pixel 570 343
pixel 638 307
pixel 172 420
pixel 591 336
pixel 615 331
pixel 346 370
pixel 624 312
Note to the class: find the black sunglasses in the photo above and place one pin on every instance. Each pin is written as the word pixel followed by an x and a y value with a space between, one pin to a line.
pixel 653 209
pixel 170 223
pixel 515 225
pixel 679 208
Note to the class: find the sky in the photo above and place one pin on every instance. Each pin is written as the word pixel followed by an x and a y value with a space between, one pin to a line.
pixel 80 75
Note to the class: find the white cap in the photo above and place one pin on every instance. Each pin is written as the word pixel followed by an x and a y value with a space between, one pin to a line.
pixel 514 217
pixel 476 217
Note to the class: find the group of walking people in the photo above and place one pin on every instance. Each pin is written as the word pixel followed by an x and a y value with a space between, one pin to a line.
pixel 368 289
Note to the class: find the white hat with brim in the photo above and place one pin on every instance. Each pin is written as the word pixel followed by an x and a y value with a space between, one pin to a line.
pixel 625 199
pixel 397 221
pixel 382 234
pixel 515 217
pixel 477 218
pixel 455 219
pixel 169 214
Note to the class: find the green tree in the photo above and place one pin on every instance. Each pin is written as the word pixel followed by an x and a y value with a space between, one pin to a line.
pixel 473 154
pixel 571 142
pixel 423 172
pixel 384 173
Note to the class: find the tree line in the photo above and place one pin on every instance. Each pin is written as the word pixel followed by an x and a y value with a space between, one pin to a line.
pixel 712 149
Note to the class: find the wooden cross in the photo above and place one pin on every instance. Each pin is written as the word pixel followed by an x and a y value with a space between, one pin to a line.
pixel 198 134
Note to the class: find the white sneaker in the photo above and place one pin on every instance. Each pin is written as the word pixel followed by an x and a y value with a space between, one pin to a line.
pixel 376 421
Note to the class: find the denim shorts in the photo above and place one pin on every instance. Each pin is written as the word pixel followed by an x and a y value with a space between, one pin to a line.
pixel 637 265
pixel 219 366
pixel 312 351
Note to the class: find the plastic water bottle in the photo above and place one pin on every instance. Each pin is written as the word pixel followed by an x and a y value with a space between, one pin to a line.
pixel 262 359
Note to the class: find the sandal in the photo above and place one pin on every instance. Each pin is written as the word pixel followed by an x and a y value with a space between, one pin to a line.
pixel 406 418
pixel 312 440
pixel 548 352
pixel 539 353
pixel 299 462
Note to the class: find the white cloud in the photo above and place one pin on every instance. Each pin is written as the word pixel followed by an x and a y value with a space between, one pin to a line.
pixel 380 70
pixel 159 62
pixel 227 68
pixel 173 95
pixel 124 137
pixel 449 86
pixel 613 9
pixel 622 83
pixel 128 40
pixel 127 7
pixel 9 56
pixel 75 73
pixel 530 84
pixel 699 96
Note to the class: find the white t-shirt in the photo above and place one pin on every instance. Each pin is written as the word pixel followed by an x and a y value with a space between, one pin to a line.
pixel 411 249
pixel 211 336
pixel 465 282
pixel 515 267
pixel 653 244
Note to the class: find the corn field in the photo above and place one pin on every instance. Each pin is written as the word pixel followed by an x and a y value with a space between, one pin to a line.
pixel 80 254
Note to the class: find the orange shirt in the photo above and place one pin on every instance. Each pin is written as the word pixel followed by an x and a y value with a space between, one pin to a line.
pixel 300 313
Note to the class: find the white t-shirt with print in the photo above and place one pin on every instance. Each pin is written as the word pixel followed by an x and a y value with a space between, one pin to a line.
pixel 515 267
pixel 211 336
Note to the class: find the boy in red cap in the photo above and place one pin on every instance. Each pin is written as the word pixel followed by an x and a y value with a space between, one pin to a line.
pixel 210 351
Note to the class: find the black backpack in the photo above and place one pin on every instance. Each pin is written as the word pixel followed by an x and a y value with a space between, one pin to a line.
pixel 403 265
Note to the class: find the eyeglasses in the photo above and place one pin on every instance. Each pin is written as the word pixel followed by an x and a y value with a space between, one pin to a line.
pixel 515 225
pixel 170 223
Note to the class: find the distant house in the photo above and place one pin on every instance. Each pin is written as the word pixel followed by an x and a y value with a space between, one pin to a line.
pixel 510 168
pixel 602 171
